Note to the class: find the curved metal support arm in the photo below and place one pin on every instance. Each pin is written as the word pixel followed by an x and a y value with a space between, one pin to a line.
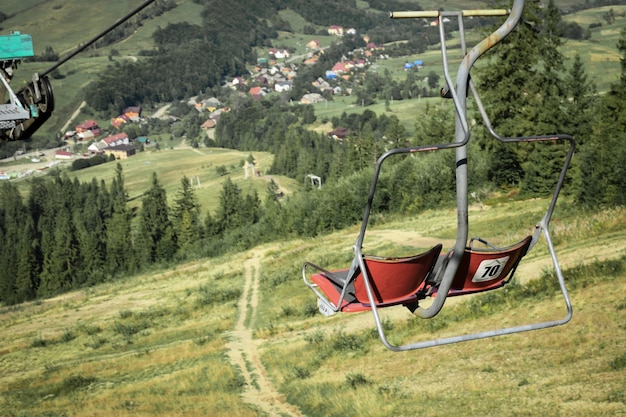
pixel 545 222
pixel 324 304
pixel 462 81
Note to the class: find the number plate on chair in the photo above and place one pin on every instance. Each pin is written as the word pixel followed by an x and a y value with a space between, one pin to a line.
pixel 490 269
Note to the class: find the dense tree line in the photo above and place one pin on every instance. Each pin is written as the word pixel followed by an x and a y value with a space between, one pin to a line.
pixel 188 58
pixel 68 234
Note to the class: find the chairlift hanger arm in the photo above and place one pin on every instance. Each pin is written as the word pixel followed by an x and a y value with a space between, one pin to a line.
pixel 544 224
pixel 459 95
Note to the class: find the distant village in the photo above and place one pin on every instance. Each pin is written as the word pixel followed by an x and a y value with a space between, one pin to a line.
pixel 274 72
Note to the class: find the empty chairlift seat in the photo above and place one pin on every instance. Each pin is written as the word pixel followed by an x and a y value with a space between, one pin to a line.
pixel 483 269
pixel 393 281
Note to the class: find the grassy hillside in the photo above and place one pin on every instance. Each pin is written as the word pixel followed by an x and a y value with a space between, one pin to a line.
pixel 240 336
pixel 171 164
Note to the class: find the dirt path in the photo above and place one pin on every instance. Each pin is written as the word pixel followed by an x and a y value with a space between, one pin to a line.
pixel 73 116
pixel 244 354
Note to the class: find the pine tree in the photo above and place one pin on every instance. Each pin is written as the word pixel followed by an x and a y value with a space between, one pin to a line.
pixel 582 101
pixel 59 267
pixel 524 95
pixel 119 247
pixel 229 211
pixel 11 209
pixel 186 215
pixel 27 266
pixel 156 239
pixel 601 159
pixel 91 234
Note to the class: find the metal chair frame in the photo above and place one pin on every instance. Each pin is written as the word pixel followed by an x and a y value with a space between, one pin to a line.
pixel 458 91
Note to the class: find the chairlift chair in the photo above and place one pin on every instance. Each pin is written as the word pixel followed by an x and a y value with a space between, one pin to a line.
pixel 371 283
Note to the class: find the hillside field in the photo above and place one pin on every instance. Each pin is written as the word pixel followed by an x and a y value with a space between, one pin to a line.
pixel 240 335
pixel 171 163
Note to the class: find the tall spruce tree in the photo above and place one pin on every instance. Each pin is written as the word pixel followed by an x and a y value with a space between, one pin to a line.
pixel 229 211
pixel 524 95
pixel 602 156
pixel 156 240
pixel 186 215
pixel 120 253
pixel 27 268
pixel 11 209
pixel 91 234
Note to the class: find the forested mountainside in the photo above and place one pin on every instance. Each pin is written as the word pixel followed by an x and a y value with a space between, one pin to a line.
pixel 189 58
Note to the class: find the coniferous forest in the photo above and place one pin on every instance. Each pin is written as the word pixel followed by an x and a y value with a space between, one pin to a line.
pixel 64 234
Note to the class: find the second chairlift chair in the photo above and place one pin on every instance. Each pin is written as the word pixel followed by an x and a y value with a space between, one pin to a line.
pixel 372 282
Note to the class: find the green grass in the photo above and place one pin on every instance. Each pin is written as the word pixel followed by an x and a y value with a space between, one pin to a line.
pixel 172 165
pixel 156 344
pixel 10 7
pixel 64 25
pixel 600 54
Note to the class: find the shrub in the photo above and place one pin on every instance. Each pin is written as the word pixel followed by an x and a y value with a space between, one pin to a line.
pixel 316 338
pixel 67 336
pixel 618 363
pixel 38 342
pixel 74 382
pixel 355 380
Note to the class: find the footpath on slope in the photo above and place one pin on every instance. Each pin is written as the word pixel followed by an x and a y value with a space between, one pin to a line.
pixel 243 351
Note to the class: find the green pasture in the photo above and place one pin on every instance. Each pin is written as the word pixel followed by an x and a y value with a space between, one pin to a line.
pixel 200 164
pixel 296 21
pixel 10 7
pixel 405 110
pixel 65 25
pixel 157 344
pixel 599 54
pixel 187 11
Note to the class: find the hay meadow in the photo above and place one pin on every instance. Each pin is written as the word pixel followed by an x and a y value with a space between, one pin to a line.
pixel 241 336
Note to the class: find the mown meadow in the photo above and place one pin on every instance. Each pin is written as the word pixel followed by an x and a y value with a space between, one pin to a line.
pixel 157 343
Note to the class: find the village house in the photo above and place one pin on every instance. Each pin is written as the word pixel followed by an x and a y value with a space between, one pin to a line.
pixel 335 30
pixel 118 121
pixel 87 130
pixel 121 151
pixel 97 147
pixel 258 92
pixel 339 134
pixel 208 124
pixel 283 86
pixel 86 125
pixel 311 98
pixel 279 53
pixel 133 113
pixel 314 44
pixel 116 140
pixel 63 155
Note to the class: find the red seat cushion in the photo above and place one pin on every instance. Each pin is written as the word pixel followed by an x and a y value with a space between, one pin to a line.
pixel 394 281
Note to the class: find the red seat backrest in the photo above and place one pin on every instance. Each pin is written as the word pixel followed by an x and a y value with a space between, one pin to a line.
pixel 484 269
pixel 395 279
